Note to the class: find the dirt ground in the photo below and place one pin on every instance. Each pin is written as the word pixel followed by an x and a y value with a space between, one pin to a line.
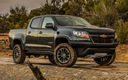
pixel 82 70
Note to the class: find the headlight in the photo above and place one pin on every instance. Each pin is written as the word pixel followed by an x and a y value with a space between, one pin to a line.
pixel 81 34
pixel 115 36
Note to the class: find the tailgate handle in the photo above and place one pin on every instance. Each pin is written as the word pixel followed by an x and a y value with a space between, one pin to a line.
pixel 29 32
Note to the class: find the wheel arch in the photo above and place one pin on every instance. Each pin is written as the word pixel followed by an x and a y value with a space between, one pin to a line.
pixel 64 39
pixel 18 41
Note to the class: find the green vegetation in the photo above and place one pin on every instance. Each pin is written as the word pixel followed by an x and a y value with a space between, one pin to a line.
pixel 104 13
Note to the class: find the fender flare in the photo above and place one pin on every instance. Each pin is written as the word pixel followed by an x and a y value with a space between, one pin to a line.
pixel 22 45
pixel 63 37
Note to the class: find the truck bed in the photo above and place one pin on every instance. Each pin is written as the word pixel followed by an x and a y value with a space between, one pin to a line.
pixel 17 34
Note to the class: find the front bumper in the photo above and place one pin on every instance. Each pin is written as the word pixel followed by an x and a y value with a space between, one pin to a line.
pixel 92 48
pixel 77 43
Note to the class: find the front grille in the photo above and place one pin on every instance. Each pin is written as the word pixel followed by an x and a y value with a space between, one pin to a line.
pixel 96 37
pixel 100 33
pixel 102 40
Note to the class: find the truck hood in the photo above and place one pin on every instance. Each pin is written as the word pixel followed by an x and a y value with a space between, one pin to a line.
pixel 91 28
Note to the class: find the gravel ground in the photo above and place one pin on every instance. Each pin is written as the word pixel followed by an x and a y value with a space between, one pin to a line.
pixel 80 71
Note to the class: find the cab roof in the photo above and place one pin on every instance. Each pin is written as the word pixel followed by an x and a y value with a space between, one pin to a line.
pixel 53 15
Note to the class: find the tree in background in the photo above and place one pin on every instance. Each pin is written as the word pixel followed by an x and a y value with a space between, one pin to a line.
pixel 56 5
pixel 73 7
pixel 89 4
pixel 122 31
pixel 35 12
pixel 4 23
pixel 48 9
pixel 103 14
pixel 18 16
pixel 122 8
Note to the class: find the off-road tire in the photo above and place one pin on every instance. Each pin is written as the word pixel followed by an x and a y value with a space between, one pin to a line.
pixel 19 59
pixel 109 60
pixel 71 52
pixel 51 59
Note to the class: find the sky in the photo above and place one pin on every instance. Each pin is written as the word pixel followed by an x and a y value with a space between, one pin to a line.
pixel 29 4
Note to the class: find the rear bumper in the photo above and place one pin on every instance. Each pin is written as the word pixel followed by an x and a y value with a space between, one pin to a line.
pixel 92 48
pixel 10 46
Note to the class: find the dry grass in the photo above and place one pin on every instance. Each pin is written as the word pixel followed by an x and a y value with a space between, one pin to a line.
pixel 122 53
pixel 4 45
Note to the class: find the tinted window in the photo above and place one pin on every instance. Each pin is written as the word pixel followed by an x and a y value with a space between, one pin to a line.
pixel 71 21
pixel 47 20
pixel 35 22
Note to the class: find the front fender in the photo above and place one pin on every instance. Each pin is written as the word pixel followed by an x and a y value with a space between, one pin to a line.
pixel 66 37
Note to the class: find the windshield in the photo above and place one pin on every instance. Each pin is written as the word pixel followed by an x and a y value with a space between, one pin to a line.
pixel 71 21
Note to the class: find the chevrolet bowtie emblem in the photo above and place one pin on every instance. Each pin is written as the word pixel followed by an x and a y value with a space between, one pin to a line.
pixel 103 36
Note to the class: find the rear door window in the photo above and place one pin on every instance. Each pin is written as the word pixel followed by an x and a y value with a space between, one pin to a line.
pixel 35 23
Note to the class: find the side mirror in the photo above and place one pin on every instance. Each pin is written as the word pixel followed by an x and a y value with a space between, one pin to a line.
pixel 49 25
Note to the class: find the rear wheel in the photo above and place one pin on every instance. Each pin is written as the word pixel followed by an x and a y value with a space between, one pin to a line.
pixel 65 55
pixel 105 61
pixel 18 54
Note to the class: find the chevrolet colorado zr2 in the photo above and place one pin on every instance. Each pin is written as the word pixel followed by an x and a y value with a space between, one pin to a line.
pixel 63 39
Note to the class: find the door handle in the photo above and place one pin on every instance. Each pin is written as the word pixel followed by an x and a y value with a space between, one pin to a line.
pixel 29 32
pixel 40 32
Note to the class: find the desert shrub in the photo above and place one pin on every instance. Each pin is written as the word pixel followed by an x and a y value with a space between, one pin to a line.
pixel 103 14
pixel 122 31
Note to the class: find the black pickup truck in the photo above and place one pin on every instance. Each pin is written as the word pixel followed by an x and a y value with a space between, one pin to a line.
pixel 63 39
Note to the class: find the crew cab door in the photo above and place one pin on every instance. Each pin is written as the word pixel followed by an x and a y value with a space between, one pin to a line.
pixel 46 35
pixel 32 31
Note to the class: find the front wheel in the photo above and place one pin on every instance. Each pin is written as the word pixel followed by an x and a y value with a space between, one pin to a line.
pixel 18 54
pixel 105 61
pixel 65 55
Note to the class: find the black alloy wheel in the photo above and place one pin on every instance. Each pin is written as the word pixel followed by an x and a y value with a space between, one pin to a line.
pixel 18 54
pixel 105 61
pixel 65 55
